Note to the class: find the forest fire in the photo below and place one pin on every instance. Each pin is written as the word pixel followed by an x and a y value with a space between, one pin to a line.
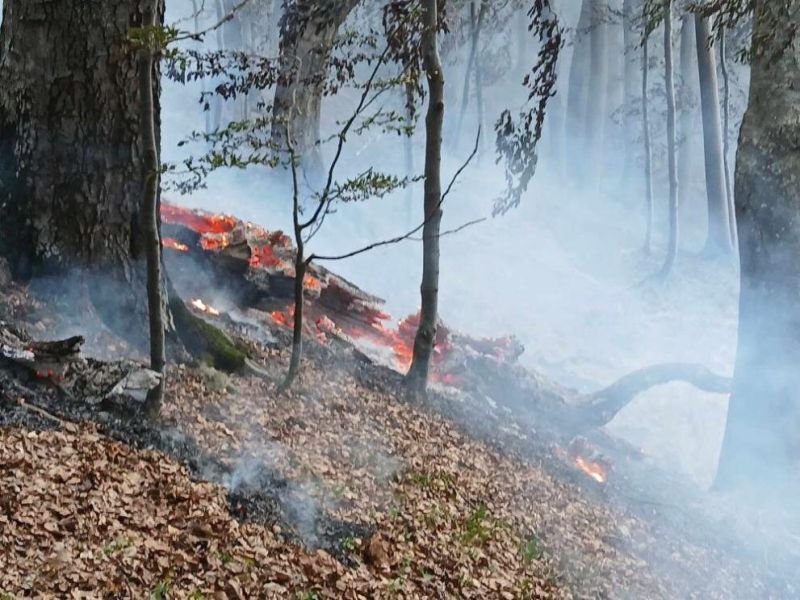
pixel 204 308
pixel 594 470
pixel 334 307
pixel 582 455
pixel 174 244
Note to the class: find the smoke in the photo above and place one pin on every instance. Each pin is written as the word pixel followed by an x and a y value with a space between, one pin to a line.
pixel 259 468
pixel 565 272
pixel 561 272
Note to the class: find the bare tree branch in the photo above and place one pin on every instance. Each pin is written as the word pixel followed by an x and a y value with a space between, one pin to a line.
pixel 409 235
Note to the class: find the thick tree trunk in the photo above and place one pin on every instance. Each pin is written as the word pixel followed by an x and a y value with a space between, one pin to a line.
pixel 72 165
pixel 719 239
pixel 308 32
pixel 762 439
pixel 598 74
pixel 71 162
pixel 672 169
pixel 426 334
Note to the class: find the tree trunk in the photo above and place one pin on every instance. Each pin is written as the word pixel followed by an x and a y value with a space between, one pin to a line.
pixel 578 91
pixel 648 153
pixel 726 132
pixel 424 340
pixel 308 32
pixel 672 244
pixel 614 88
pixel 598 75
pixel 71 160
pixel 630 42
pixel 762 439
pixel 409 94
pixel 687 104
pixel 719 238
pixel 72 164
pixel 150 217
pixel 472 67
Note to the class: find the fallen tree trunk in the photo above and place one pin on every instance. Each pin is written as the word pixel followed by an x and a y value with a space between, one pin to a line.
pixel 254 268
pixel 568 412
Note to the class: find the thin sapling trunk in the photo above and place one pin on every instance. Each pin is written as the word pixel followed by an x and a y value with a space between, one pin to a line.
pixel 648 154
pixel 429 290
pixel 150 227
pixel 672 245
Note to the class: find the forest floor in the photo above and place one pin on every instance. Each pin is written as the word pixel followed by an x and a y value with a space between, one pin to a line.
pixel 341 488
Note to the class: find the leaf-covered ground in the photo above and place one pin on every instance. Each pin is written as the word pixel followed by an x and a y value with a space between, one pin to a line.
pixel 423 511
pixel 342 488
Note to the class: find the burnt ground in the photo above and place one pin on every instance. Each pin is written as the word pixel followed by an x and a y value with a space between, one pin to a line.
pixel 344 487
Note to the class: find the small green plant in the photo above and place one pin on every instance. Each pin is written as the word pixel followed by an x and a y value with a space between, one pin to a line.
pixel 160 591
pixel 197 595
pixel 5 596
pixel 476 532
pixel 307 596
pixel 397 584
pixel 112 548
pixel 531 549
pixel 436 481
pixel 350 543
pixel 225 556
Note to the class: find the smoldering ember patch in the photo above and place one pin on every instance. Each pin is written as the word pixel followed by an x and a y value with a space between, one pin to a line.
pixel 405 299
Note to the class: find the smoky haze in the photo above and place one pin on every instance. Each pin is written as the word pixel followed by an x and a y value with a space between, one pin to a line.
pixel 562 272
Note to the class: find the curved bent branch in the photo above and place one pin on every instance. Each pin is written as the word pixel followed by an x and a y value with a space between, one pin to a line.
pixel 602 406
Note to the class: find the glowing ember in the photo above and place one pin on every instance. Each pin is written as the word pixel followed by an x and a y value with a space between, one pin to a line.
pixel 264 256
pixel 196 220
pixel 594 470
pixel 202 307
pixel 216 241
pixel 312 283
pixel 174 244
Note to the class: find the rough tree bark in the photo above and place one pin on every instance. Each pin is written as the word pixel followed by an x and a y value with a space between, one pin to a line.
pixel 73 160
pixel 429 290
pixel 150 216
pixel 761 446
pixel 672 244
pixel 71 165
pixel 719 238
pixel 308 32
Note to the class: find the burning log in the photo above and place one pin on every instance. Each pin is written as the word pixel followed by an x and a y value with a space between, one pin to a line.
pixel 255 267
pixel 59 363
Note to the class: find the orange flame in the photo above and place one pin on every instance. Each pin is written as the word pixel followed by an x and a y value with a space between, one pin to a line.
pixel 197 220
pixel 312 283
pixel 594 470
pixel 174 244
pixel 202 307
